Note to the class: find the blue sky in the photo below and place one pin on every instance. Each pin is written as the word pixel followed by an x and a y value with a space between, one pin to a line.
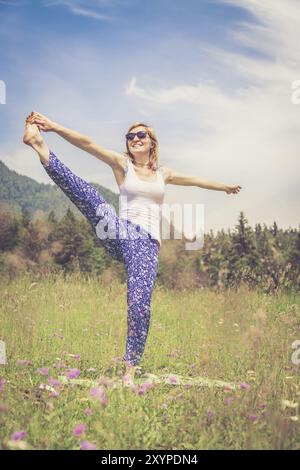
pixel 213 77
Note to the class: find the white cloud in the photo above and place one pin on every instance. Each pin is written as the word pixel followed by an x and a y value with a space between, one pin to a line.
pixel 79 8
pixel 251 131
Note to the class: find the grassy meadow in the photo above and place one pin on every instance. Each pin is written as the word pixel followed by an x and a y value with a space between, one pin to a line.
pixel 53 325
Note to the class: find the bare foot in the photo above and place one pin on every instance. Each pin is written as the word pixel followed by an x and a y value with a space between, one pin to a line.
pixel 32 135
pixel 129 375
pixel 34 139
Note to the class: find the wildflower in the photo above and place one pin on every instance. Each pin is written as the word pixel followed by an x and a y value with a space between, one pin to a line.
pixel 144 388
pixel 228 400
pixel 244 386
pixel 43 371
pixel 263 406
pixel 53 382
pixel 91 369
pixel 73 373
pixel 85 445
pixel 252 417
pixel 173 379
pixel 75 356
pixel 100 394
pixel 2 383
pixel 79 430
pixel 88 412
pixel 18 435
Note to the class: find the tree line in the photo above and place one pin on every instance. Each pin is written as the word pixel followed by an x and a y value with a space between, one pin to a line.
pixel 262 257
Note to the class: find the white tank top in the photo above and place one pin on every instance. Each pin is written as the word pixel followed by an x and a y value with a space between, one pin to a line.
pixel 140 201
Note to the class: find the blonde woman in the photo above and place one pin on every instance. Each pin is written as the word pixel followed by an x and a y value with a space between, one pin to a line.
pixel 133 237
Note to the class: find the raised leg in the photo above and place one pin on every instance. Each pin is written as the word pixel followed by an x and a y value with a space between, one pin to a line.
pixel 86 198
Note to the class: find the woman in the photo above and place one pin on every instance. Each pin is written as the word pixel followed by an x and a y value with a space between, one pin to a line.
pixel 133 237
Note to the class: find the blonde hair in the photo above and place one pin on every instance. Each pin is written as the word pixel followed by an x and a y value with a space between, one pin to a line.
pixel 153 163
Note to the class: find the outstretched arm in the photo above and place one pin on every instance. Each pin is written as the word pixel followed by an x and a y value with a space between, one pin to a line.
pixel 113 159
pixel 174 177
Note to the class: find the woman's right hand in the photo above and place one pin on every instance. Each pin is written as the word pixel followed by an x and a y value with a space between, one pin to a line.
pixel 42 122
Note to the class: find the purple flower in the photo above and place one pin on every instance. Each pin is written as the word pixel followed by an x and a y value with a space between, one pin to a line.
pixel 2 383
pixel 144 388
pixel 85 445
pixel 99 394
pixel 73 373
pixel 18 435
pixel 210 415
pixel 263 406
pixel 24 362
pixel 75 356
pixel 244 386
pixel 252 417
pixel 88 412
pixel 53 382
pixel 43 371
pixel 173 379
pixel 79 430
pixel 228 400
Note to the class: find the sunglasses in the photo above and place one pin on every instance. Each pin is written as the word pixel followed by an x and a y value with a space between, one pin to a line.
pixel 140 135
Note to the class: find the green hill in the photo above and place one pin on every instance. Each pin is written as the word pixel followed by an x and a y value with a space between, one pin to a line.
pixel 18 193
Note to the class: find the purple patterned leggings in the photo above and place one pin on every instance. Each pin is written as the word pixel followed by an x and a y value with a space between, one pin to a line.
pixel 126 242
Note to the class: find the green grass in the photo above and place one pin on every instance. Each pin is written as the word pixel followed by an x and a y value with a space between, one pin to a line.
pixel 237 336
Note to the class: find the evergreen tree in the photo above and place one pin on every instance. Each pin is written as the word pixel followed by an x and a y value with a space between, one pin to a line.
pixel 242 255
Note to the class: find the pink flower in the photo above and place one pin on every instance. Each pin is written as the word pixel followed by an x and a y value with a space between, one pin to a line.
pixel 75 356
pixel 263 406
pixel 99 394
pixel 53 382
pixel 85 445
pixel 43 371
pixel 24 362
pixel 88 412
pixel 144 388
pixel 18 435
pixel 252 417
pixel 73 373
pixel 173 379
pixel 2 383
pixel 244 386
pixel 210 414
pixel 79 430
pixel 228 400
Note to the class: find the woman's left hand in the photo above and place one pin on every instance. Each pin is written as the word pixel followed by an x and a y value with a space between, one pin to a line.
pixel 233 189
